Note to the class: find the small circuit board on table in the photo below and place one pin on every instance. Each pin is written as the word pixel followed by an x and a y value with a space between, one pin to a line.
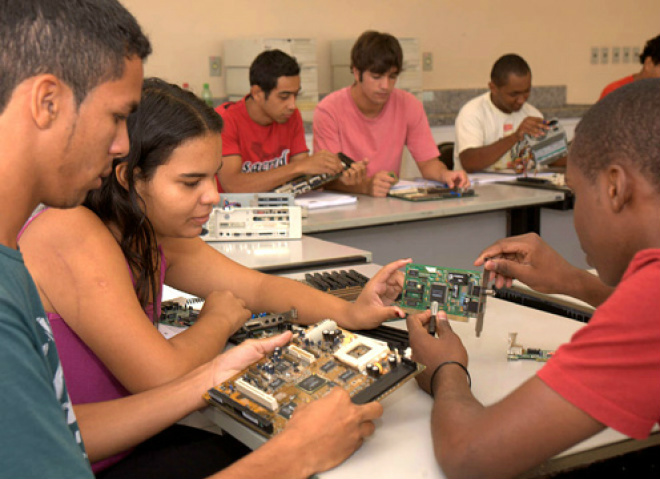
pixel 321 357
pixel 183 313
pixel 180 312
pixel 460 293
pixel 517 352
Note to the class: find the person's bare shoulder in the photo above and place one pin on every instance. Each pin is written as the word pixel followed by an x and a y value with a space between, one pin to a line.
pixel 64 229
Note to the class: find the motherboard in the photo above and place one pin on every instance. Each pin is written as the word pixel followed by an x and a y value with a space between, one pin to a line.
pixel 264 396
pixel 306 183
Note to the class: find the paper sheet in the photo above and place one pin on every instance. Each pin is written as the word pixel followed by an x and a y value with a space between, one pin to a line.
pixel 322 199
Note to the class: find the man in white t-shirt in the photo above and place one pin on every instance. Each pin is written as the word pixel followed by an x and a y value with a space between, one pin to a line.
pixel 490 125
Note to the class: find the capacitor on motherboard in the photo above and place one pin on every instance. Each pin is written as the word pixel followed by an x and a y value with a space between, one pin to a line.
pixel 373 370
pixel 392 361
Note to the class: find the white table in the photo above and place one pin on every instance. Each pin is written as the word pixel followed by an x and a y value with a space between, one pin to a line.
pixel 286 255
pixel 402 444
pixel 449 232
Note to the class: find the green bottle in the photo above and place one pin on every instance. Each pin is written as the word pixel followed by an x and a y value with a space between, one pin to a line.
pixel 207 96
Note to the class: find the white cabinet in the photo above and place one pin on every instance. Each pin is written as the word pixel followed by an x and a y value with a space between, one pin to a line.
pixel 240 52
pixel 410 78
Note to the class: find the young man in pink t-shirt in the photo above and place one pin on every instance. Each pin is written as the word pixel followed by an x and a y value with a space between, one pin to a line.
pixel 372 121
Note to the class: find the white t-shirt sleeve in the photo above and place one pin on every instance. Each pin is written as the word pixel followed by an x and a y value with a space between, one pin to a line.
pixel 532 111
pixel 469 128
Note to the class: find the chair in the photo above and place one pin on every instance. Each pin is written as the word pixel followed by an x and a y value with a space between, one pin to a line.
pixel 447 154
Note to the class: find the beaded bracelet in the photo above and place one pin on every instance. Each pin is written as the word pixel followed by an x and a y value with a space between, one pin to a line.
pixel 444 364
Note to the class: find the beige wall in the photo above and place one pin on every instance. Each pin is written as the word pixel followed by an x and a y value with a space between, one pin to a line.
pixel 464 36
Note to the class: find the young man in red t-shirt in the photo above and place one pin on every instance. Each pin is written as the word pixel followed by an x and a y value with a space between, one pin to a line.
pixel 263 140
pixel 608 374
pixel 650 60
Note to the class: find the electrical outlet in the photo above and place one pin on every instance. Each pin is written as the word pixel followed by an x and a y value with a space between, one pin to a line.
pixel 595 54
pixel 215 66
pixel 604 55
pixel 626 55
pixel 427 61
pixel 616 55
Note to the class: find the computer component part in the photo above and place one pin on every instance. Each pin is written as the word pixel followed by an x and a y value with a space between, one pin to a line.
pixel 255 200
pixel 344 284
pixel 396 339
pixel 550 146
pixel 183 313
pixel 360 353
pixel 252 224
pixel 319 358
pixel 269 320
pixel 544 302
pixel 179 312
pixel 517 352
pixel 536 151
pixel 303 184
pixel 430 193
pixel 460 293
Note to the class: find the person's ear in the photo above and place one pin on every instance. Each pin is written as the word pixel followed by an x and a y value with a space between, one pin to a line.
pixel 619 186
pixel 356 74
pixel 257 93
pixel 47 100
pixel 121 172
pixel 648 66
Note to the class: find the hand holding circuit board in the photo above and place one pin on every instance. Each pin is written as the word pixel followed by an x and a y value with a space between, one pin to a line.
pixel 320 358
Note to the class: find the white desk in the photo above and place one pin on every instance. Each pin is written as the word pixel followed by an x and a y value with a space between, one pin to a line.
pixel 402 445
pixel 287 255
pixel 369 211
pixel 449 232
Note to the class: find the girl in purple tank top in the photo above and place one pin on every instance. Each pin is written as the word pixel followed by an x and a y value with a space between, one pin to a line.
pixel 100 267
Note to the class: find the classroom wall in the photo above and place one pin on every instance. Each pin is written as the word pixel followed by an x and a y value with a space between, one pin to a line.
pixel 464 36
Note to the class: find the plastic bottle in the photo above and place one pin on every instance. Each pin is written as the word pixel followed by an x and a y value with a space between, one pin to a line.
pixel 207 96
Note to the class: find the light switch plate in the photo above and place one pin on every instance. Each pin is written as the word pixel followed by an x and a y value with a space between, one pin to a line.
pixel 215 66
pixel 427 61
pixel 626 55
pixel 604 55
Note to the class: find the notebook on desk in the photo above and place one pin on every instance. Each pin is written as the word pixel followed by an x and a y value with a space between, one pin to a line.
pixel 315 200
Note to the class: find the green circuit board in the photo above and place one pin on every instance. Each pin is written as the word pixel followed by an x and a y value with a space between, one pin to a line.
pixel 458 292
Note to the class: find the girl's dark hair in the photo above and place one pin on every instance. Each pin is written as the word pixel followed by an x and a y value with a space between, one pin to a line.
pixel 167 117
